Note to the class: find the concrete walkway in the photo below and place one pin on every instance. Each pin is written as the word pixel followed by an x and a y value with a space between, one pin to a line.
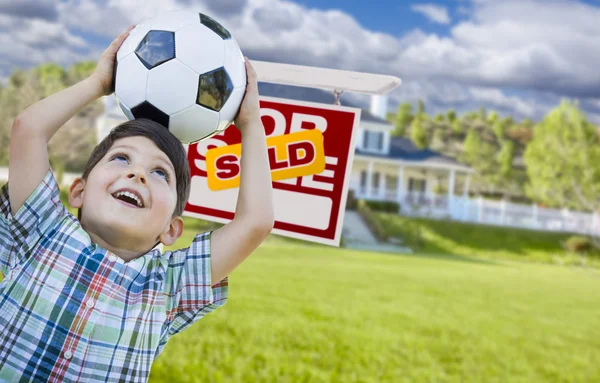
pixel 357 235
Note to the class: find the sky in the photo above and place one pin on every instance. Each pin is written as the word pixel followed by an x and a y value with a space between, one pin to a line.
pixel 517 57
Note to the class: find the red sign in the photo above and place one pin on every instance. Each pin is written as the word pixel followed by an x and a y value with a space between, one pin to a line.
pixel 310 206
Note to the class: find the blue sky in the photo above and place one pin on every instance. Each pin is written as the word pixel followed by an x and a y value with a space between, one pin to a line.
pixel 518 57
pixel 393 17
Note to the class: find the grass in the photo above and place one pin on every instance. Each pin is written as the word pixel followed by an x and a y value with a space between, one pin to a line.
pixel 430 236
pixel 317 314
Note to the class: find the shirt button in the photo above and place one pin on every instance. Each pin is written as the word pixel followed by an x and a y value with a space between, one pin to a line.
pixel 90 303
pixel 112 258
pixel 68 355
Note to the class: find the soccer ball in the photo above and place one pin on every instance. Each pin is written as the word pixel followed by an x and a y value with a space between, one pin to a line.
pixel 183 70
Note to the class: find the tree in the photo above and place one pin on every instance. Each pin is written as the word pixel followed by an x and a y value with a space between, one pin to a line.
pixel 563 160
pixel 403 119
pixel 457 127
pixel 439 139
pixel 451 116
pixel 479 155
pixel 505 161
pixel 418 134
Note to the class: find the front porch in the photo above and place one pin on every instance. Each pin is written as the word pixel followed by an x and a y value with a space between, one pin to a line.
pixel 419 188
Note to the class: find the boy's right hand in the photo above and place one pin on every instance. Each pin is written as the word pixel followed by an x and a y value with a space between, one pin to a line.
pixel 105 66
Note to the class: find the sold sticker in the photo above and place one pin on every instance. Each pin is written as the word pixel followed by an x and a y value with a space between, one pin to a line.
pixel 290 156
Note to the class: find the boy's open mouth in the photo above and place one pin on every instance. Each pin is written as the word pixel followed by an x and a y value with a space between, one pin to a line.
pixel 129 198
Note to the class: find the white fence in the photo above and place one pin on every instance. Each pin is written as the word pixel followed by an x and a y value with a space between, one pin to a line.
pixel 500 213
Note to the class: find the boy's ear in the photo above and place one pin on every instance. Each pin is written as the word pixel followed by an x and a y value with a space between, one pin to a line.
pixel 76 191
pixel 173 232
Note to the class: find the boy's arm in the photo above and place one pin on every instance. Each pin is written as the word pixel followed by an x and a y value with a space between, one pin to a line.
pixel 253 221
pixel 34 127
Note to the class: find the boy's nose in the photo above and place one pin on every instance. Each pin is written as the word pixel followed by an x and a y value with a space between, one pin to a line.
pixel 137 173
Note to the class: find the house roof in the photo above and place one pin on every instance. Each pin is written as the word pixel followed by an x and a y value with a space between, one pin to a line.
pixel 404 149
pixel 313 95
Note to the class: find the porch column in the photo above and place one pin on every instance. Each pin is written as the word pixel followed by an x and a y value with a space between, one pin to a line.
pixel 466 189
pixel 369 179
pixel 400 185
pixel 382 185
pixel 451 185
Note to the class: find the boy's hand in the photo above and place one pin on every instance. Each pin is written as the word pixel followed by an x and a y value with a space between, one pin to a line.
pixel 105 66
pixel 249 112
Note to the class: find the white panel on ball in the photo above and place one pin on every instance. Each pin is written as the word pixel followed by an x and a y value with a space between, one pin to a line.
pixel 125 110
pixel 131 80
pixel 194 123
pixel 192 44
pixel 134 39
pixel 172 87
pixel 234 63
pixel 174 20
pixel 231 108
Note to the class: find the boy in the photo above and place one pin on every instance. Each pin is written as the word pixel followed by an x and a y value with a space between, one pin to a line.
pixel 89 299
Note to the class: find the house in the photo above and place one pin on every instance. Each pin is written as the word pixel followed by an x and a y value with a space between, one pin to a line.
pixel 385 168
pixel 390 168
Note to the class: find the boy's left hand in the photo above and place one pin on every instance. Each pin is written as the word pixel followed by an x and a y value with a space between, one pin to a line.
pixel 250 108
pixel 105 66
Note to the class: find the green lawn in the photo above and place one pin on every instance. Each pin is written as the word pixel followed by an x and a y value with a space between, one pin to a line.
pixel 317 314
pixel 430 236
pixel 308 313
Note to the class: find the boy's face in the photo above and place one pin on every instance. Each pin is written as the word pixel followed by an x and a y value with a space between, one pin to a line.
pixel 129 198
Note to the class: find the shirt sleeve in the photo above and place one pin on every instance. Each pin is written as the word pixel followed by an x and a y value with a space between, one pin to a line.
pixel 189 295
pixel 21 232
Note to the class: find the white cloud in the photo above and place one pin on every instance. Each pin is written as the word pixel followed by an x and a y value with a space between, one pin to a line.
pixel 435 13
pixel 538 47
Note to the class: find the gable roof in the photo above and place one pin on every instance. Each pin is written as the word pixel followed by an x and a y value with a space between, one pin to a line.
pixel 404 149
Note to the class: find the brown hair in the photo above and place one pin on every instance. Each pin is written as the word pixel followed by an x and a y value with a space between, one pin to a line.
pixel 166 142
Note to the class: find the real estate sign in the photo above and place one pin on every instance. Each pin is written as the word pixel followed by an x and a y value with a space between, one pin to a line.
pixel 310 148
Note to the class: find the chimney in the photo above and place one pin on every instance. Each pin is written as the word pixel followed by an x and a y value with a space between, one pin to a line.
pixel 379 105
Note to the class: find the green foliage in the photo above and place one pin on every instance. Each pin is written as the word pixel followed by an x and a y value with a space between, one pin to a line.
pixel 563 160
pixel 505 160
pixel 439 139
pixel 483 241
pixel 457 127
pixel 70 147
pixel 384 206
pixel 439 118
pixel 403 119
pixel 578 244
pixel 369 217
pixel 492 118
pixel 451 116
pixel 418 134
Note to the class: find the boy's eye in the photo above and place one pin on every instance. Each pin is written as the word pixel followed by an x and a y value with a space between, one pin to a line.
pixel 162 173
pixel 119 157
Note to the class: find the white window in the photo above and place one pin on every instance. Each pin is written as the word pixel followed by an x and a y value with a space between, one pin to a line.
pixel 372 140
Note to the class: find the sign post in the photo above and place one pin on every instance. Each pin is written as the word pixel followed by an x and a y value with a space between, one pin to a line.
pixel 311 149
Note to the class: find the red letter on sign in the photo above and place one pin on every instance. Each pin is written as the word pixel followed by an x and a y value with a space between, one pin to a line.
pixel 309 151
pixel 227 166
pixel 273 159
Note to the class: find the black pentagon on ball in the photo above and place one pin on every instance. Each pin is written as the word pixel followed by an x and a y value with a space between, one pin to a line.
pixel 214 26
pixel 214 88
pixel 156 47
pixel 149 111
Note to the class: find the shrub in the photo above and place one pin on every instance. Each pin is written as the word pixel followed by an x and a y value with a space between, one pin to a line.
pixel 384 206
pixel 578 244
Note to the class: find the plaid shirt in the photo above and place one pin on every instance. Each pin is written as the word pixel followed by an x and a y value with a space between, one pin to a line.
pixel 72 311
